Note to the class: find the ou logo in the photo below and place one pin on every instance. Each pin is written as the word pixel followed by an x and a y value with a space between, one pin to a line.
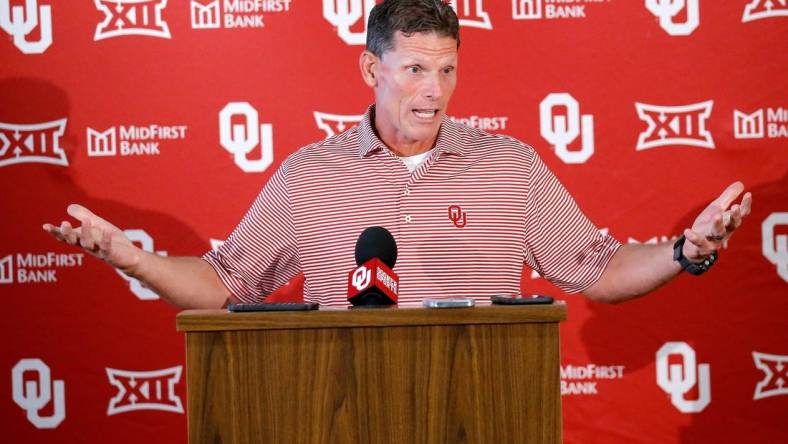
pixel 19 23
pixel 32 396
pixel 775 247
pixel 241 138
pixel 666 10
pixel 561 130
pixel 142 292
pixel 344 14
pixel 677 379
pixel 361 277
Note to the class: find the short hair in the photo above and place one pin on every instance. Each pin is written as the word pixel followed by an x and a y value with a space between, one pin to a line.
pixel 409 17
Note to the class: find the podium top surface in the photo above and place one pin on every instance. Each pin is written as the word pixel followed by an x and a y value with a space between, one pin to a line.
pixel 219 320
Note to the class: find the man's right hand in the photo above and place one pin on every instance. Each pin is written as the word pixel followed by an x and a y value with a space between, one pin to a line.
pixel 99 238
pixel 188 282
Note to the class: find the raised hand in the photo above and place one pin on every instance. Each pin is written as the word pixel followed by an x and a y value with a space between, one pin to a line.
pixel 98 237
pixel 717 222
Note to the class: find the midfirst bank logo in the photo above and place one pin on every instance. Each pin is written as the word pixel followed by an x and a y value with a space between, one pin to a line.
pixel 484 123
pixel 775 246
pixel 550 9
pixel 144 241
pixel 132 140
pixel 234 13
pixel 668 10
pixel 563 128
pixel 675 125
pixel 775 380
pixel 333 124
pixel 350 17
pixel 36 143
pixel 36 268
pixel 240 132
pixel 676 379
pixel 19 22
pixel 583 379
pixel 765 122
pixel 33 395
pixel 153 390
pixel 761 9
pixel 131 17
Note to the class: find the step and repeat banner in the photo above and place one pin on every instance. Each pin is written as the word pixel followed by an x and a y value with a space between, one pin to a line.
pixel 167 117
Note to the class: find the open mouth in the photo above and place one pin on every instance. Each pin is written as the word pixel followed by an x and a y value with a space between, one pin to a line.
pixel 425 113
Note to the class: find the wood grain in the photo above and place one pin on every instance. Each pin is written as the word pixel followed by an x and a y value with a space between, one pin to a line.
pixel 222 320
pixel 473 382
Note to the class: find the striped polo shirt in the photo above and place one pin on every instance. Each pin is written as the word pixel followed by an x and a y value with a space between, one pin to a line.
pixel 465 221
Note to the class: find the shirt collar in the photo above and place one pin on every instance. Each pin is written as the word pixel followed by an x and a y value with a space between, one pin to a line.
pixel 451 140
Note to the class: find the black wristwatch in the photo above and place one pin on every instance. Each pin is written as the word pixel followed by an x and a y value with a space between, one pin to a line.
pixel 691 267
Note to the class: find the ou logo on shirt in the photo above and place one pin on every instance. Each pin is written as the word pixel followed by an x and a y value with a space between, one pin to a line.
pixel 241 138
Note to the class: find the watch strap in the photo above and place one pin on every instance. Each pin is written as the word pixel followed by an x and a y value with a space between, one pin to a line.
pixel 691 267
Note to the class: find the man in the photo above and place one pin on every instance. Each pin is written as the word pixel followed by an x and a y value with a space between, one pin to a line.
pixel 467 208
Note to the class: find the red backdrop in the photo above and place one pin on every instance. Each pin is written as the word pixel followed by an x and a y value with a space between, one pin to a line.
pixel 645 110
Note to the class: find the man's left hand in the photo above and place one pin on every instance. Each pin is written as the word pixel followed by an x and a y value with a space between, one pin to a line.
pixel 716 223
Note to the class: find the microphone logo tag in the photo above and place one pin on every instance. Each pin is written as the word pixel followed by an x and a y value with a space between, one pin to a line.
pixel 677 379
pixel 19 22
pixel 561 130
pixel 361 278
pixel 32 396
pixel 775 247
pixel 458 217
pixel 666 10
pixel 241 138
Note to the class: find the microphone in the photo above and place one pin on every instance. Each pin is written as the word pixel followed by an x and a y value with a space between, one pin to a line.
pixel 374 282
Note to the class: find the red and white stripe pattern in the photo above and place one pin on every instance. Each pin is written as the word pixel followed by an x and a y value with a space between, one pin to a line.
pixel 310 214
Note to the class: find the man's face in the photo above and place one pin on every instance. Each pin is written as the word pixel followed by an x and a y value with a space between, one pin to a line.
pixel 413 84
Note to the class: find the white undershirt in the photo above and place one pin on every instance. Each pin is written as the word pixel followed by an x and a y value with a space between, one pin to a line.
pixel 413 162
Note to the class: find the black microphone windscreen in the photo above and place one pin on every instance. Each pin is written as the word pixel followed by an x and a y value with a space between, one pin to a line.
pixel 376 242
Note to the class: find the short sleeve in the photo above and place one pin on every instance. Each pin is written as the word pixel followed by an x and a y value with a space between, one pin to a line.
pixel 562 244
pixel 261 254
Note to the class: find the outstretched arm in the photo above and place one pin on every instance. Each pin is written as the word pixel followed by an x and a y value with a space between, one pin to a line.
pixel 638 269
pixel 188 282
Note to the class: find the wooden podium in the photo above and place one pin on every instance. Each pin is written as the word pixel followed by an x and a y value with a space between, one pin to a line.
pixel 488 374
